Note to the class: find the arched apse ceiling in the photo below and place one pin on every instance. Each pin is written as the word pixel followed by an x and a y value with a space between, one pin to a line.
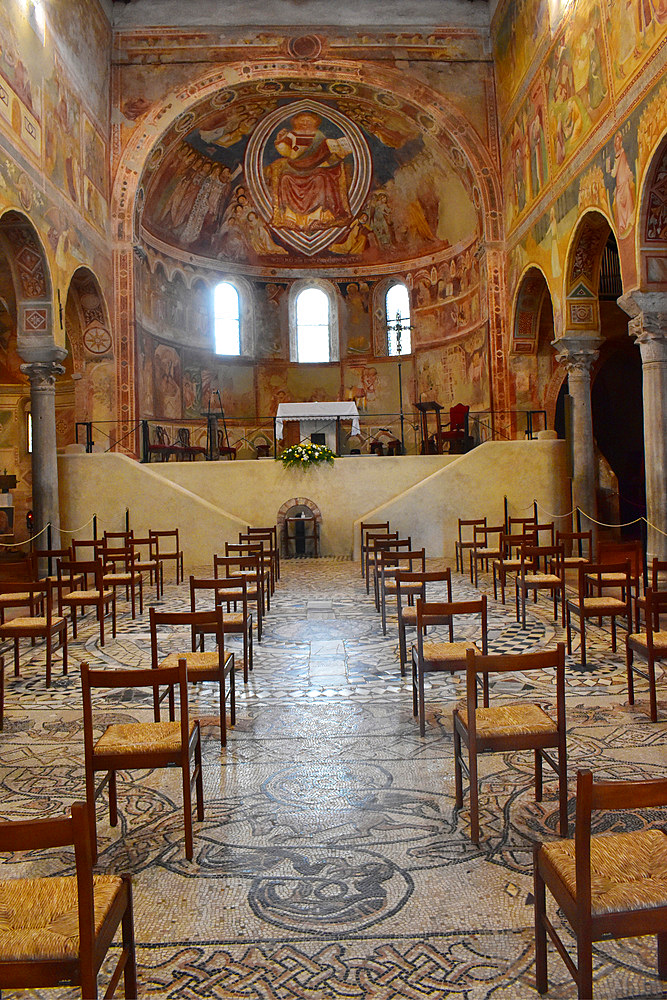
pixel 422 120
pixel 351 174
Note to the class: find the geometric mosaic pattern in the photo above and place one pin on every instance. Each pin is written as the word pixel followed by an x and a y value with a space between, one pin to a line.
pixel 331 862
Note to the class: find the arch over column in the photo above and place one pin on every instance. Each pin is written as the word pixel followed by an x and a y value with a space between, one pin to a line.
pixel 647 308
pixel 89 333
pixel 532 336
pixel 42 357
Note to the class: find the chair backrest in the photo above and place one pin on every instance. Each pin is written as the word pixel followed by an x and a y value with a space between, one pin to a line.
pixel 457 416
pixel 60 831
pixel 483 534
pixel 50 556
pixel 598 795
pixel 133 678
pixel 658 573
pixel 536 558
pixel 160 538
pixel 588 572
pixel 371 527
pixel 408 559
pixel 238 565
pixel 161 436
pixel 406 580
pixel 546 528
pixel 85 545
pixel 183 437
pixel 500 663
pixel 139 544
pixel 440 613
pixel 656 605
pixel 470 523
pixel 69 568
pixel 210 620
pixel 117 536
pixel 615 552
pixel 112 555
pixel 512 543
pixel 568 539
pixel 226 589
pixel 523 523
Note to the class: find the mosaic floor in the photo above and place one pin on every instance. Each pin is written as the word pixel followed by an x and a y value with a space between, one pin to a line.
pixel 331 862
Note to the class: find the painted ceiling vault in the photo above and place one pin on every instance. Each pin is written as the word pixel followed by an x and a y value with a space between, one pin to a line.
pixel 295 173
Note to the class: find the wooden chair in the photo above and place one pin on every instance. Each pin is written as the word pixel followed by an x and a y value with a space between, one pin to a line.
pixel 100 597
pixel 509 560
pixel 249 567
pixel 46 626
pixel 586 606
pixel 465 543
pixel 146 561
pixel 458 426
pixel 23 597
pixel 608 886
pixel 367 528
pixel 216 666
pixel 408 560
pixel 256 549
pixel 161 445
pixel 172 553
pixel 428 657
pixel 411 586
pixel 225 449
pixel 484 548
pixel 57 930
pixel 227 591
pixel 141 744
pixel 617 553
pixel 577 546
pixel 651 645
pixel 658 581
pixel 272 530
pixel 120 570
pixel 265 544
pixel 182 447
pixel 393 546
pixel 504 727
pixel 541 568
pixel 2 693
pixel 373 540
pixel 47 560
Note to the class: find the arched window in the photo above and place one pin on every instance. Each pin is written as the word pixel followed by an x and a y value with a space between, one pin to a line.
pixel 313 326
pixel 226 319
pixel 397 305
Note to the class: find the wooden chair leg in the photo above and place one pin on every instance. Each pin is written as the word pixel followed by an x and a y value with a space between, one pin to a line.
pixel 582 632
pixel 629 671
pixel 474 795
pixel 613 633
pixel 422 708
pixel 458 777
pixel 187 806
pixel 49 640
pixel 584 965
pixel 569 632
pixel 199 781
pixel 16 657
pixel 538 776
pixel 539 894
pixel 64 646
pixel 232 692
pixel 100 618
pixel 113 799
pixel 562 791
pixel 223 715
pixel 415 703
pixel 127 931
pixel 662 955
pixel 653 701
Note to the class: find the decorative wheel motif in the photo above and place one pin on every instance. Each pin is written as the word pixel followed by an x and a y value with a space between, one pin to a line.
pixel 97 340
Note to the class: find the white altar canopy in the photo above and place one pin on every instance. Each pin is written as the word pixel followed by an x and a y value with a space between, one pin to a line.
pixel 318 416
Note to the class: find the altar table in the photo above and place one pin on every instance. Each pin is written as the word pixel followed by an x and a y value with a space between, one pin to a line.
pixel 318 417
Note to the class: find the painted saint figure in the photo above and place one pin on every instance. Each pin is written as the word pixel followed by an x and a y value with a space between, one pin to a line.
pixel 308 182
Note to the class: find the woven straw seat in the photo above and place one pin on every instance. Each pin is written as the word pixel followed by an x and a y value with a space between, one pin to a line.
pixel 574 560
pixel 90 595
pixel 627 869
pixel 541 579
pixel 607 886
pixel 150 737
pixel 201 666
pixel 640 642
pixel 437 652
pixel 39 917
pixel 14 600
pixel 511 720
pixel 409 615
pixel 117 577
pixel 609 579
pixel 603 604
pixel 25 625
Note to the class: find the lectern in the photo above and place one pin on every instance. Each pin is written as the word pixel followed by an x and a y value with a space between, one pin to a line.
pixel 430 444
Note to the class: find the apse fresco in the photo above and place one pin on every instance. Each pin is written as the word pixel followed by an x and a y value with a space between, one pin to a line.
pixel 275 180
pixel 458 373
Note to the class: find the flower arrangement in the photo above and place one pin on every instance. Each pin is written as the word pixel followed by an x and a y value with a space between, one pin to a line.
pixel 302 456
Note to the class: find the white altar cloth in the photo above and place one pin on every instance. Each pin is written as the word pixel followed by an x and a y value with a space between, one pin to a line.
pixel 317 413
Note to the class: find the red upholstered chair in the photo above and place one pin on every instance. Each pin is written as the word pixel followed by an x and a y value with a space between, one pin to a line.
pixel 456 435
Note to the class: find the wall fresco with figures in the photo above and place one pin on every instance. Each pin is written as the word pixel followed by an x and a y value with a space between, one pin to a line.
pixel 566 144
pixel 270 179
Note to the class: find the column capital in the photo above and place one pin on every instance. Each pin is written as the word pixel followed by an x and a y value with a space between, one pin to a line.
pixel 577 350
pixel 42 374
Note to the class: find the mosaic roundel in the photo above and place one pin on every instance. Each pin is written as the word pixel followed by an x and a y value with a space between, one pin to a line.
pixel 308 169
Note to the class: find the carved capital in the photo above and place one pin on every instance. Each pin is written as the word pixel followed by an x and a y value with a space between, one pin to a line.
pixel 42 374
pixel 577 352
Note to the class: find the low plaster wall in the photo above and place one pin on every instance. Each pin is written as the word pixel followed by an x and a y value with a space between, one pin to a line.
pixel 210 502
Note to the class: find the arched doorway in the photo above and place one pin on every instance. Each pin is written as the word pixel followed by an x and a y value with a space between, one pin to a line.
pixel 537 375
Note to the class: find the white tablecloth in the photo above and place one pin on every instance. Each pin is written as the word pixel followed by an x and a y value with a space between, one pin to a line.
pixel 316 413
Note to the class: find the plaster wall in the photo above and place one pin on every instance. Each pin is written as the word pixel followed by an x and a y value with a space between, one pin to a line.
pixel 211 502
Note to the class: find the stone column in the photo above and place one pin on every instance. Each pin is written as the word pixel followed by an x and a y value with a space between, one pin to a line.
pixel 649 328
pixel 45 500
pixel 578 350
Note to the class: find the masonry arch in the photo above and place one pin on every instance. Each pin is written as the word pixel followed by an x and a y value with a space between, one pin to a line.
pixel 538 377
pixel 652 229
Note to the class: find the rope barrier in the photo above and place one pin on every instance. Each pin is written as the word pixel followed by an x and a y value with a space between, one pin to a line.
pixel 26 541
pixel 73 531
